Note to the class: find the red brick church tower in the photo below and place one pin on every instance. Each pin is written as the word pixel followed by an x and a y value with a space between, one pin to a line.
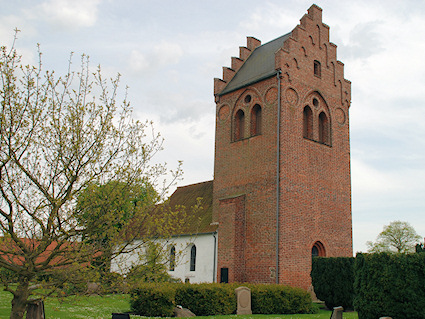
pixel 282 189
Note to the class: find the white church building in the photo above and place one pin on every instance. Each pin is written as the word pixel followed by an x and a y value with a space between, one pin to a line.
pixel 191 256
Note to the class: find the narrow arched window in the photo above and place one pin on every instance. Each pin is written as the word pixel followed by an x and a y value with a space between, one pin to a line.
pixel 308 123
pixel 193 258
pixel 324 133
pixel 172 258
pixel 318 250
pixel 239 125
pixel 317 69
pixel 256 120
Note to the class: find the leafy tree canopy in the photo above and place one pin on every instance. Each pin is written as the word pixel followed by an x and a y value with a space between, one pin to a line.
pixel 398 237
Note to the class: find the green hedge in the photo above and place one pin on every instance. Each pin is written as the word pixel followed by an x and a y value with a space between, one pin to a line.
pixel 279 299
pixel 207 299
pixel 153 300
pixel 217 299
pixel 390 285
pixel 333 280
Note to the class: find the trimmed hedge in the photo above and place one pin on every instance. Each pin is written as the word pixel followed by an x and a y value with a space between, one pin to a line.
pixel 153 300
pixel 333 280
pixel 278 299
pixel 207 299
pixel 390 285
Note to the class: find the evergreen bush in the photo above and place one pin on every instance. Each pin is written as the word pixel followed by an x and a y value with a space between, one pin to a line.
pixel 390 285
pixel 279 299
pixel 207 299
pixel 153 300
pixel 333 280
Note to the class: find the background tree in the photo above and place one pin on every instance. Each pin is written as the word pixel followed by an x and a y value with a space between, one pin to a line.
pixel 104 210
pixel 398 236
pixel 58 136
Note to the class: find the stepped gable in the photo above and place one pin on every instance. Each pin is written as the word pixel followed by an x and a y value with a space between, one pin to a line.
pixel 187 196
pixel 285 54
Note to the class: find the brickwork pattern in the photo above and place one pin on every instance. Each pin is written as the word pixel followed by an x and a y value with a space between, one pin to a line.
pixel 315 182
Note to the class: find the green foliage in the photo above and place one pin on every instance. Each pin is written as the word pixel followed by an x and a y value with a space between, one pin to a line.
pixel 398 237
pixel 153 300
pixel 390 285
pixel 420 248
pixel 153 269
pixel 219 299
pixel 104 210
pixel 333 280
pixel 207 299
pixel 61 136
pixel 279 299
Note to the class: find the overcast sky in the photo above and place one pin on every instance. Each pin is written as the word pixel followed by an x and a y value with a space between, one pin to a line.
pixel 169 51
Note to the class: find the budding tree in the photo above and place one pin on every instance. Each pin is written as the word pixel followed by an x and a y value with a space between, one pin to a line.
pixel 398 237
pixel 58 136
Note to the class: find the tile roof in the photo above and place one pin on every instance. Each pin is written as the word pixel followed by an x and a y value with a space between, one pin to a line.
pixel 259 65
pixel 188 196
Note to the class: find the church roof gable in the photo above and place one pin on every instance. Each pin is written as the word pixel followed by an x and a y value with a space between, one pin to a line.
pixel 259 65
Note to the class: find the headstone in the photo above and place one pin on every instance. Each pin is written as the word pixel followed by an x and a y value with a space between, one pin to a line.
pixel 243 297
pixel 93 288
pixel 179 311
pixel 337 313
pixel 120 316
pixel 35 310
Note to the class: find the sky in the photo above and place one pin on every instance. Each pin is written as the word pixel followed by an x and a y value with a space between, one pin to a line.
pixel 168 53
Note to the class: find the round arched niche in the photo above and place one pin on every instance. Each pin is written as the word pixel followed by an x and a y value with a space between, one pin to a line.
pixel 291 96
pixel 224 112
pixel 271 95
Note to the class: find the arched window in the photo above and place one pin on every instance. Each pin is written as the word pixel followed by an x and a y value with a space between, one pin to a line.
pixel 317 69
pixel 239 125
pixel 324 134
pixel 193 258
pixel 172 258
pixel 256 120
pixel 318 250
pixel 308 123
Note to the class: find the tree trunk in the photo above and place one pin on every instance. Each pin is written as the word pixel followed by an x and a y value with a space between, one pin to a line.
pixel 19 301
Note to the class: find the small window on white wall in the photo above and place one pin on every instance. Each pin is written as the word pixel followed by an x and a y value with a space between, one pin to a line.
pixel 193 258
pixel 172 258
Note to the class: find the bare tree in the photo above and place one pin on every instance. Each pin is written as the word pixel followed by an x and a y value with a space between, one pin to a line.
pixel 57 136
pixel 398 236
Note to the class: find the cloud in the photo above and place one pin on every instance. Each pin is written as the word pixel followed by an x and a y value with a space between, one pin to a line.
pixel 163 54
pixel 71 14
pixel 364 41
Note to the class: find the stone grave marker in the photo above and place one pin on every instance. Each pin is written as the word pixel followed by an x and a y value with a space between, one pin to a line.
pixel 243 297
pixel 337 313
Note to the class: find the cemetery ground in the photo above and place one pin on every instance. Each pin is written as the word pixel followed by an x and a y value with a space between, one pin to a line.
pixel 102 307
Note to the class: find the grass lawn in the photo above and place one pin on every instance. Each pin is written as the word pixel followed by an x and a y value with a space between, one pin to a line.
pixel 102 307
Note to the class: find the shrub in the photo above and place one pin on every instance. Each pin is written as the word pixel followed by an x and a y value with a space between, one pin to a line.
pixel 391 285
pixel 207 299
pixel 153 300
pixel 279 299
pixel 333 280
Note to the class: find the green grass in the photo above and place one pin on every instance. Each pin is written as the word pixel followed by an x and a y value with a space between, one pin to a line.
pixel 102 307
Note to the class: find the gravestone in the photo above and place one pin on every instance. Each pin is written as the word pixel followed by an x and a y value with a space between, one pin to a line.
pixel 337 313
pixel 35 310
pixel 180 312
pixel 243 297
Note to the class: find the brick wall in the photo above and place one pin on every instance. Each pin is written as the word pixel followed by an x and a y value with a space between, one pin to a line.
pixel 314 174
